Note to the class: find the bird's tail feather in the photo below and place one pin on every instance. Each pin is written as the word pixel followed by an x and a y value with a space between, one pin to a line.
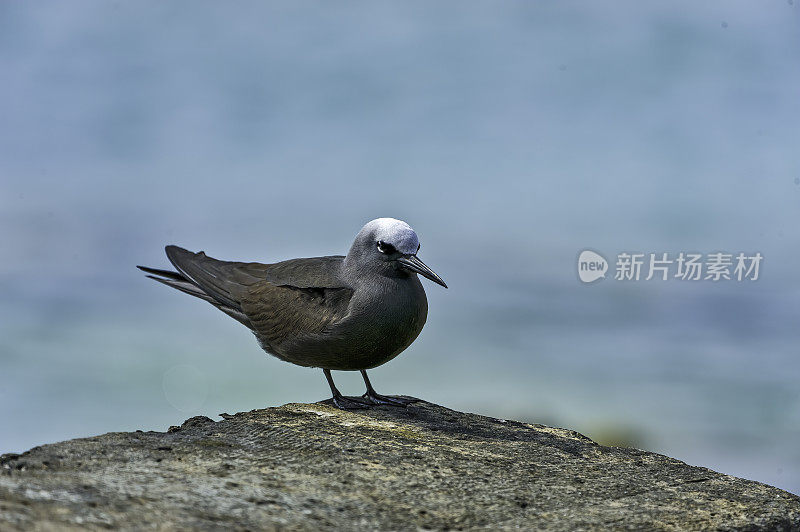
pixel 180 282
pixel 184 286
pixel 162 273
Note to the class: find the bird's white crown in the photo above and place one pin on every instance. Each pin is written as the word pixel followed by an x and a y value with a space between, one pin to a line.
pixel 395 232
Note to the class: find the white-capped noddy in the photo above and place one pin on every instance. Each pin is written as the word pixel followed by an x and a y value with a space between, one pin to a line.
pixel 336 313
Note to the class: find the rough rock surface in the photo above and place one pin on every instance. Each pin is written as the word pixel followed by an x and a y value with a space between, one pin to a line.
pixel 311 466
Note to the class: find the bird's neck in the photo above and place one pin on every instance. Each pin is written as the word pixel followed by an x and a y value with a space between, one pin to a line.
pixel 371 274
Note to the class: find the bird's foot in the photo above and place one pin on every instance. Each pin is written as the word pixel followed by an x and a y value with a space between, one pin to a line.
pixel 393 400
pixel 349 403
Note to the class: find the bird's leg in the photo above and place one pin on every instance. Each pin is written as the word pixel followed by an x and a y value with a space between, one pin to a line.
pixel 339 400
pixel 375 398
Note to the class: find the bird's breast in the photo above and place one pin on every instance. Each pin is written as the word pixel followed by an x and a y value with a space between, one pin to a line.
pixel 382 323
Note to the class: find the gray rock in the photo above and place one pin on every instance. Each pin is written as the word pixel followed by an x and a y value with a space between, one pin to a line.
pixel 311 466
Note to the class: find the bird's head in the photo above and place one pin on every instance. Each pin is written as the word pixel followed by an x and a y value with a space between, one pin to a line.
pixel 390 244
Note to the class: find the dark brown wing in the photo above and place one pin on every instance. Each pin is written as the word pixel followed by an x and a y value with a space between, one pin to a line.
pixel 220 279
pixel 282 302
pixel 281 314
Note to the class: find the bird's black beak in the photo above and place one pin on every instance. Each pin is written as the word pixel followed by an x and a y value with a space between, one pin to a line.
pixel 413 264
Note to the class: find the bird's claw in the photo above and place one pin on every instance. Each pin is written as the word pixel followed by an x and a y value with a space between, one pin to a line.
pixel 349 403
pixel 392 400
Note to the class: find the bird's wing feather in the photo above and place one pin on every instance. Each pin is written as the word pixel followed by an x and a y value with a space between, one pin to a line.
pixel 221 280
pixel 283 301
pixel 286 313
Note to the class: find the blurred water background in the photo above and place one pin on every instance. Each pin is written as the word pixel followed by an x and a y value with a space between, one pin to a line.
pixel 510 135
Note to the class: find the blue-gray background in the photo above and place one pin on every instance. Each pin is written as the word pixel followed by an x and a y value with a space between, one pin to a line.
pixel 511 135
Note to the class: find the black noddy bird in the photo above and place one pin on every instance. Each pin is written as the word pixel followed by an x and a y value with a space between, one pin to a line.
pixel 350 313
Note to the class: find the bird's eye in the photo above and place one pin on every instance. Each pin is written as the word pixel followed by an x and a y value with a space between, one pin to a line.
pixel 418 246
pixel 385 248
